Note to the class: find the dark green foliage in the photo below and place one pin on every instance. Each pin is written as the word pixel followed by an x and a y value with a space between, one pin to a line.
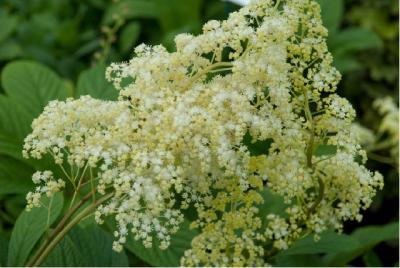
pixel 87 246
pixel 338 250
pixel 169 257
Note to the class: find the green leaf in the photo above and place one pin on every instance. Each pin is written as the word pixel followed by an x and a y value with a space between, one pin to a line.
pixel 332 14
pixel 307 260
pixel 88 48
pixel 29 86
pixel 325 149
pixel 371 259
pixel 367 237
pixel 30 226
pixel 9 50
pixel 15 176
pixel 273 204
pixel 65 254
pixel 3 251
pixel 93 82
pixel 14 122
pixel 168 39
pixel 8 24
pixel 90 247
pixel 96 246
pixel 176 14
pixel 353 40
pixel 347 64
pixel 130 9
pixel 330 242
pixel 14 205
pixel 258 147
pixel 32 85
pixel 154 256
pixel 10 145
pixel 101 4
pixel 129 36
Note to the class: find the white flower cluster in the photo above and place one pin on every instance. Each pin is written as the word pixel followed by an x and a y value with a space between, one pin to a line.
pixel 81 131
pixel 47 185
pixel 386 136
pixel 175 137
pixel 364 135
pixel 389 110
pixel 89 133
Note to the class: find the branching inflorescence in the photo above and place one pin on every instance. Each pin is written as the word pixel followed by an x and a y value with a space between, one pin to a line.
pixel 175 137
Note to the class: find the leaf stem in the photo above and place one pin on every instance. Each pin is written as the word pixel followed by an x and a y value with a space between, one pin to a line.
pixel 310 144
pixel 321 189
pixel 79 185
pixel 309 153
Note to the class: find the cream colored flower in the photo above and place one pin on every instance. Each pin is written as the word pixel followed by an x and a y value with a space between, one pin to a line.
pixel 175 138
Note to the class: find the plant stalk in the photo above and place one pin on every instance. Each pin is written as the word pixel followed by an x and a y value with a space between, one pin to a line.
pixel 309 154
pixel 61 232
pixel 60 225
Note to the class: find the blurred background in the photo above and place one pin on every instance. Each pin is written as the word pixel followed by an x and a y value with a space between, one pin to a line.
pixel 72 36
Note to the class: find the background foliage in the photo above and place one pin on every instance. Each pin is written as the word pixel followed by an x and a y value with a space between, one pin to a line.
pixel 57 49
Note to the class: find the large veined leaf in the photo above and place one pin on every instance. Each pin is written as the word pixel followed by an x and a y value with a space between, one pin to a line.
pixel 371 235
pixel 89 247
pixel 180 242
pixel 330 242
pixel 93 82
pixel 13 205
pixel 65 254
pixel 32 85
pixel 131 9
pixel 10 145
pixel 15 176
pixel 367 237
pixel 14 125
pixel 98 250
pixel 29 86
pixel 30 226
pixel 354 39
pixel 332 14
pixel 339 249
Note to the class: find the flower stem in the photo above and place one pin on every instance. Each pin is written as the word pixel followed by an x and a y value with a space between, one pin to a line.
pixel 61 224
pixel 209 68
pixel 309 153
pixel 60 231
pixel 310 145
